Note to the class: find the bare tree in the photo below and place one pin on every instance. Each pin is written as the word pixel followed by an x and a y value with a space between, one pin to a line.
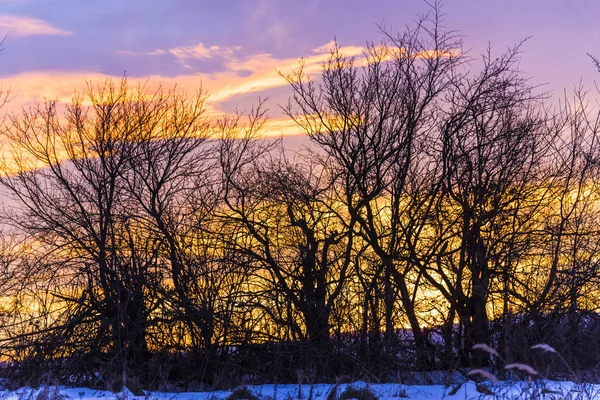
pixel 371 122
pixel 70 175
pixel 294 234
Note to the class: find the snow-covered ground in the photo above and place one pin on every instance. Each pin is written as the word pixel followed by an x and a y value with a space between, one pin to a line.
pixel 469 390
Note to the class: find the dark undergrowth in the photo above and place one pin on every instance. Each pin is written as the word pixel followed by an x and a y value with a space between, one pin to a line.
pixel 343 359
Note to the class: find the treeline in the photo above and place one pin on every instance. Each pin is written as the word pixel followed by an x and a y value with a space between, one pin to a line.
pixel 442 202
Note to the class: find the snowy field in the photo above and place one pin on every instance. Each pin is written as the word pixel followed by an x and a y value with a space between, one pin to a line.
pixel 469 390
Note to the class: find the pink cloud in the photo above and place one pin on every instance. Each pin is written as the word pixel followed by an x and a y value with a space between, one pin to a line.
pixel 21 26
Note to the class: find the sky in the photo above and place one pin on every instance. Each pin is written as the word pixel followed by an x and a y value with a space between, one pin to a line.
pixel 234 48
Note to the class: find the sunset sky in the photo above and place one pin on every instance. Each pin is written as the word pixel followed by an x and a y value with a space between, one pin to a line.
pixel 234 47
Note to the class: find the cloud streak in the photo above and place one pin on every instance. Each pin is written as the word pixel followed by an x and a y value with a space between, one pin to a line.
pixel 183 54
pixel 199 52
pixel 22 26
pixel 238 76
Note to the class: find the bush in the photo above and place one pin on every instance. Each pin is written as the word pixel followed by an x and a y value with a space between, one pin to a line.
pixel 242 393
pixel 352 392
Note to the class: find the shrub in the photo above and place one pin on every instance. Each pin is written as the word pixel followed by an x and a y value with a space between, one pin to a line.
pixel 352 392
pixel 242 393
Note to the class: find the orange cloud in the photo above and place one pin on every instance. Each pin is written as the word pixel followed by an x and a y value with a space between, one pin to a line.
pixel 21 26
pixel 264 72
pixel 240 75
pixel 261 73
pixel 281 127
pixel 326 48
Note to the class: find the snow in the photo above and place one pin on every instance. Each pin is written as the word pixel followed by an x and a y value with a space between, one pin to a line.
pixel 388 391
